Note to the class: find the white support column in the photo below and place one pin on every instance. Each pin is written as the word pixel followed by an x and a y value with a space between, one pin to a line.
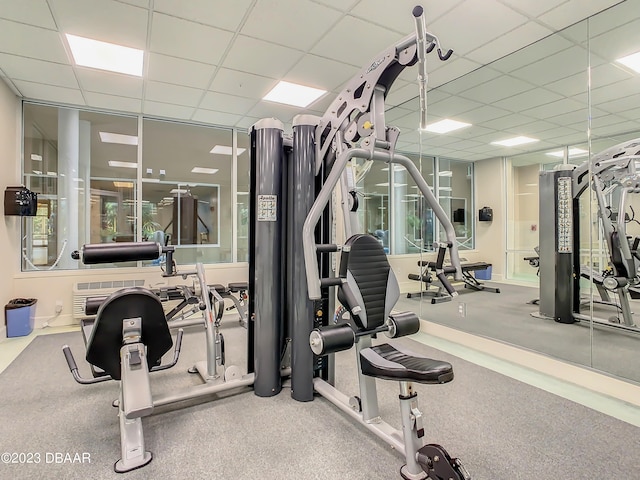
pixel 84 187
pixel 68 179
pixel 234 198
pixel 398 209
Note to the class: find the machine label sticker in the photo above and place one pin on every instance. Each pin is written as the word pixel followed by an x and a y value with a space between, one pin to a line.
pixel 267 208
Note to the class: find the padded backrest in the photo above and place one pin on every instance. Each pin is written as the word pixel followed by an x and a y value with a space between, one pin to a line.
pixel 370 278
pixel 103 349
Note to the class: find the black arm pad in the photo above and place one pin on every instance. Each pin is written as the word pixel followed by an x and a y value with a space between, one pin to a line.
pixel 405 323
pixel 119 252
pixel 331 339
pixel 92 305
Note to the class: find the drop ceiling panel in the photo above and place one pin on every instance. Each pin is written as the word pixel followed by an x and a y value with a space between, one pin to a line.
pixel 241 84
pixel 556 66
pixel 401 95
pixel 302 23
pixel 227 103
pixel 35 42
pixel 623 104
pixel 452 107
pixel 190 40
pixel 32 12
pixel 215 118
pixel 271 61
pixel 167 110
pixel 530 99
pixel 470 80
pixel 265 109
pixel 505 44
pixel 113 102
pixel 450 70
pixel 602 95
pixel 167 93
pixel 357 53
pixel 570 86
pixel 498 89
pixel 179 71
pixel 508 123
pixel 533 9
pixel 246 122
pixel 217 13
pixel 497 19
pixel 343 5
pixel 613 18
pixel 103 20
pixel 21 68
pixel 609 73
pixel 532 53
pixel 619 42
pixel 481 115
pixel 320 72
pixel 392 114
pixel 565 14
pixel 49 93
pixel 546 111
pixel 110 83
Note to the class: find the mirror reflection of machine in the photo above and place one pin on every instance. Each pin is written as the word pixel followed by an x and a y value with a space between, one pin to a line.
pixel 185 221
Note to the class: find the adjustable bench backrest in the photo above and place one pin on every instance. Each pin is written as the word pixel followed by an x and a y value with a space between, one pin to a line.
pixel 370 278
pixel 103 348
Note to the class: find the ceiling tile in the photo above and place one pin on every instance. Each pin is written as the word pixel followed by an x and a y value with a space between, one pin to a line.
pixel 508 123
pixel 109 83
pixel 284 113
pixel 300 24
pixel 550 110
pixel 320 72
pixel 50 93
pixel 496 20
pixel 530 99
pixel 343 5
pixel 34 42
pixel 190 40
pixel 400 18
pixel 532 53
pixel 394 113
pixel 398 96
pixel 179 71
pixel 533 9
pixel 570 86
pixel 217 13
pixel 273 61
pixel 103 20
pixel 565 14
pixel 612 18
pixel 222 102
pixel 167 93
pixel 498 89
pixel 215 118
pixel 484 114
pixel 241 84
pixel 619 42
pixel 32 12
pixel 21 68
pixel 452 107
pixel 470 80
pixel 246 122
pixel 556 66
pixel 137 3
pixel 615 90
pixel 167 110
pixel 113 102
pixel 332 45
pixel 450 70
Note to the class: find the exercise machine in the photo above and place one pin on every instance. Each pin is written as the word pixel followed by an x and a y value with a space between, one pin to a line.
pixel 444 291
pixel 129 337
pixel 560 268
pixel 302 175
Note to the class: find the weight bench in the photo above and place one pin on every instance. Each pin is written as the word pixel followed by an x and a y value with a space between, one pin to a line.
pixel 442 294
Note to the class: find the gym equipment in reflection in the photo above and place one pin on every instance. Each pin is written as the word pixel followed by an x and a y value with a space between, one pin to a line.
pixel 185 221
pixel 20 201
pixel 611 172
pixel 286 206
pixel 436 274
pixel 130 335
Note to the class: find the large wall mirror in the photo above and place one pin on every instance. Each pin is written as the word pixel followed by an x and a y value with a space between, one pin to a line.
pixel 573 94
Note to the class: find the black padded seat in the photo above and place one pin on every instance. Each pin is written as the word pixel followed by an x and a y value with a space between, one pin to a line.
pixel 466 267
pixel 238 286
pixel 218 288
pixel 103 348
pixel 390 363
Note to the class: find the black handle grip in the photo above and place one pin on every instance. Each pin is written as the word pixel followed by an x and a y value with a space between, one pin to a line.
pixel 431 47
pixel 417 11
pixel 326 247
pixel 446 56
pixel 69 357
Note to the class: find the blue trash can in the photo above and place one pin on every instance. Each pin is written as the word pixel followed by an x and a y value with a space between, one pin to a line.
pixel 483 274
pixel 20 314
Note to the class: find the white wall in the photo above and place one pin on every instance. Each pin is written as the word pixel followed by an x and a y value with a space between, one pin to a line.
pixel 10 167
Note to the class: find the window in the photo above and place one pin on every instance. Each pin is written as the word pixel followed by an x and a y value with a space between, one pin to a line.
pixel 455 194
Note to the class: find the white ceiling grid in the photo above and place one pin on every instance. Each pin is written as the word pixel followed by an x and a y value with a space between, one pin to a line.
pixel 213 60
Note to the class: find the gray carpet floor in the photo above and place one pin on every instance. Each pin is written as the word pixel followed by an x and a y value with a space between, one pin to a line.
pixel 501 428
pixel 506 316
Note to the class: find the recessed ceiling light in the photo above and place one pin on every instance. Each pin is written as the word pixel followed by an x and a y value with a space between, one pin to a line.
pixel 632 61
pixel 226 150
pixel 37 158
pixel 107 137
pixel 209 171
pixel 118 163
pixel 396 168
pixel 105 56
pixel 123 184
pixel 445 126
pixel 512 142
pixel 293 94
pixel 445 173
pixel 573 152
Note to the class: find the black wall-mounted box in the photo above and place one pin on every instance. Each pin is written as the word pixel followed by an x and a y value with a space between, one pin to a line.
pixel 20 201
pixel 485 214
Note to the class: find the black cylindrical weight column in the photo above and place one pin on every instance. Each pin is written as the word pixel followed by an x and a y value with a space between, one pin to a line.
pixel 265 260
pixel 301 310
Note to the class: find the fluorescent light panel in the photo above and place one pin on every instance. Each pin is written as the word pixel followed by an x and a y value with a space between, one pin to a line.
pixel 573 152
pixel 445 126
pixel 632 61
pixel 208 171
pixel 226 150
pixel 293 94
pixel 118 163
pixel 512 142
pixel 123 184
pixel 35 157
pixel 396 168
pixel 108 137
pixel 105 56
